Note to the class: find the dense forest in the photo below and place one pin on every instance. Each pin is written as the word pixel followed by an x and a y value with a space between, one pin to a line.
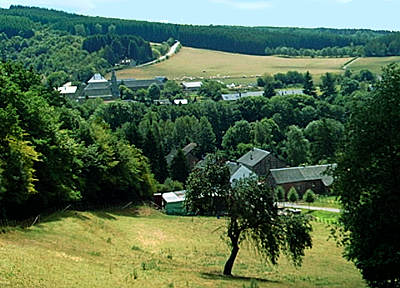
pixel 62 56
pixel 248 40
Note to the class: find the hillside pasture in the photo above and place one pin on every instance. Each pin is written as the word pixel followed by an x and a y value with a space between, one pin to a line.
pixel 141 247
pixel 373 63
pixel 201 63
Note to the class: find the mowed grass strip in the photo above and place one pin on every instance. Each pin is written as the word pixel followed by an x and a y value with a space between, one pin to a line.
pixel 143 248
pixel 197 63
pixel 373 63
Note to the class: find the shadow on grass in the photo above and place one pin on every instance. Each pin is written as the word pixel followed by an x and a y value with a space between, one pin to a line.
pixel 219 276
pixel 109 213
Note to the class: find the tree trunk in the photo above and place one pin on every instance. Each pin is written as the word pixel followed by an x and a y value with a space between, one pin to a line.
pixel 229 264
pixel 233 233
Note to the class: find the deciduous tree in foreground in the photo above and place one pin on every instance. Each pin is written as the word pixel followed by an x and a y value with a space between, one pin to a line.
pixel 252 214
pixel 368 183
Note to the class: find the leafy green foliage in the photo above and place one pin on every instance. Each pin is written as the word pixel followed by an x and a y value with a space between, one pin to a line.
pixel 252 213
pixel 368 183
pixel 239 133
pixel 211 89
pixel 297 147
pixel 50 155
pixel 116 48
pixel 154 92
pixel 325 136
pixel 16 26
pixel 309 196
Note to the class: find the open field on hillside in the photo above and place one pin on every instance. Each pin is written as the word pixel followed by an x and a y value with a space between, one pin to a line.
pixel 144 248
pixel 373 63
pixel 197 63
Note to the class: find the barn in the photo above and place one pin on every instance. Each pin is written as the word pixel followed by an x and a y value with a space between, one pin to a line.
pixel 315 178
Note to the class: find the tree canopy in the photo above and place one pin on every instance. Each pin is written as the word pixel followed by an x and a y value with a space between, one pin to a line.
pixel 251 211
pixel 368 181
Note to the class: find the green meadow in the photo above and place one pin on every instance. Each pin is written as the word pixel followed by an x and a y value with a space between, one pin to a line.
pixel 141 247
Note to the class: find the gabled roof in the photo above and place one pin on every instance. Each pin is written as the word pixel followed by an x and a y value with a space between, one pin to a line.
pixel 253 157
pixel 173 197
pixel 97 78
pixel 97 85
pixel 233 166
pixel 300 174
pixel 240 173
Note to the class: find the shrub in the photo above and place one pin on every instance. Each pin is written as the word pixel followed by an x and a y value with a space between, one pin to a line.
pixel 280 193
pixel 292 195
pixel 309 196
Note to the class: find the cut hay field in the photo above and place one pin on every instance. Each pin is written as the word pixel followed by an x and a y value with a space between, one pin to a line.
pixel 373 63
pixel 140 247
pixel 198 63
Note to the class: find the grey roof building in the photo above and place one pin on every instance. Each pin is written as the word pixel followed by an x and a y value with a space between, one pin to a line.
pixel 135 84
pixel 260 161
pixel 314 177
pixel 237 96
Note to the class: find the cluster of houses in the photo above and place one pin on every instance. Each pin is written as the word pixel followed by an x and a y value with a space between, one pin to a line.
pixel 262 164
pixel 99 87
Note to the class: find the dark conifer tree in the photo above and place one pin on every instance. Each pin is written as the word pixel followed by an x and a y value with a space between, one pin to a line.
pixel 309 88
pixel 179 167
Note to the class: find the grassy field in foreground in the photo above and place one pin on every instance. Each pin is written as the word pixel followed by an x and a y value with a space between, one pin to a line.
pixel 144 248
pixel 373 63
pixel 197 63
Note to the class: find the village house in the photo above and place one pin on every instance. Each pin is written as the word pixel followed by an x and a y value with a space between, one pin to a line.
pixel 68 90
pixel 260 161
pixel 315 178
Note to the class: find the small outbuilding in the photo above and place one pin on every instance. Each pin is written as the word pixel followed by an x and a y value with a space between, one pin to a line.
pixel 173 203
pixel 192 86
